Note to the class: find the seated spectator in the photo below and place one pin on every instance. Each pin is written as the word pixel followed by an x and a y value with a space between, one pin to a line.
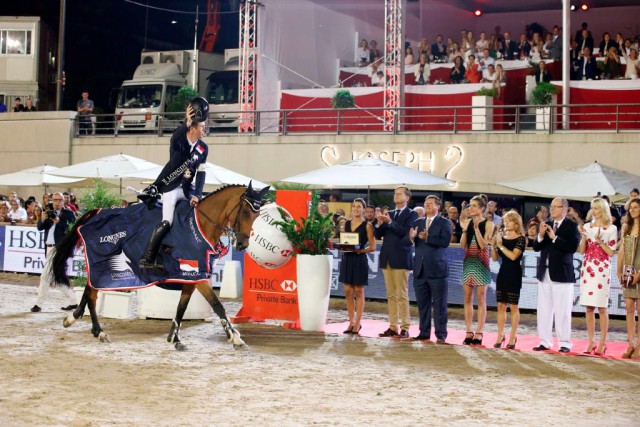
pixel 457 71
pixel 408 56
pixel 37 214
pixel 422 73
pixel 455 51
pixel 67 202
pixel 547 47
pixel 542 74
pixel 377 79
pixel 374 52
pixel 625 48
pixel 29 107
pixel 362 53
pixel 587 69
pixel 632 65
pixel 612 64
pixel 489 75
pixel 4 211
pixel 29 206
pixel 537 51
pixel 17 106
pixel 523 48
pixel 17 212
pixel 439 49
pixel 486 60
pixel 73 201
pixel 472 75
pixel 606 44
pixel 494 46
pixel 585 40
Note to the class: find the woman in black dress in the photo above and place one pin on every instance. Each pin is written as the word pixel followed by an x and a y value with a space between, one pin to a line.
pixel 510 248
pixel 354 269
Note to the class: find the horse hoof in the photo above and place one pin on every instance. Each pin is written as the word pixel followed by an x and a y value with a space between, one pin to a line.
pixel 68 321
pixel 104 337
pixel 180 347
pixel 239 346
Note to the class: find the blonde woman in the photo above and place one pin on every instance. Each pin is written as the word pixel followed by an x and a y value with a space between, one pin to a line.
pixel 628 256
pixel 476 234
pixel 467 45
pixel 354 268
pixel 598 243
pixel 510 247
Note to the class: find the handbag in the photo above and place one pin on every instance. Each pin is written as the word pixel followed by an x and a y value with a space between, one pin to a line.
pixel 629 270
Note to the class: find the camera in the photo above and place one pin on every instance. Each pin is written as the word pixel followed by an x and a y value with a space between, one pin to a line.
pixel 51 214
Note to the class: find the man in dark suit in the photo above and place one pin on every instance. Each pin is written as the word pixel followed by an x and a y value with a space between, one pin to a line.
pixel 396 261
pixel 509 47
pixel 587 69
pixel 555 52
pixel 55 222
pixel 557 241
pixel 431 236
pixel 542 75
pixel 439 49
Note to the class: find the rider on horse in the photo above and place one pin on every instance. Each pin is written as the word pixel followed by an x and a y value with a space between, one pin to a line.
pixel 188 157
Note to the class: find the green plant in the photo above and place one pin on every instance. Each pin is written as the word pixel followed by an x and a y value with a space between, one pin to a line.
pixel 184 95
pixel 343 99
pixel 543 93
pixel 309 236
pixel 485 91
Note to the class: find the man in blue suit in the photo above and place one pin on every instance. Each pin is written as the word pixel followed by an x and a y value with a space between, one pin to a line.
pixel 396 261
pixel 432 236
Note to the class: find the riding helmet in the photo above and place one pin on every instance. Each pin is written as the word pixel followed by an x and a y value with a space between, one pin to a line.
pixel 200 108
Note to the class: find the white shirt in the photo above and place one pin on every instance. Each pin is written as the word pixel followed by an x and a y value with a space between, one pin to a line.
pixel 484 62
pixel 52 230
pixel 18 215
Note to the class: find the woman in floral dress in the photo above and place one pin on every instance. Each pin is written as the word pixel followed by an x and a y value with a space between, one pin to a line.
pixel 598 243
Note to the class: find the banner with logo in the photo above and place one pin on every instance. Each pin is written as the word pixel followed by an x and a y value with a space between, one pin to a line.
pixel 23 249
pixel 272 293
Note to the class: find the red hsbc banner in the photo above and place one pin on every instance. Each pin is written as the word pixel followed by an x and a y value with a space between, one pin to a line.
pixel 273 293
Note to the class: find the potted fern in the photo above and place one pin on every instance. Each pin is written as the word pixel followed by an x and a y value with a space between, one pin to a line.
pixel 481 109
pixel 541 96
pixel 310 238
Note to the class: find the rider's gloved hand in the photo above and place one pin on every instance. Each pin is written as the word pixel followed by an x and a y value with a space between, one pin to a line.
pixel 151 190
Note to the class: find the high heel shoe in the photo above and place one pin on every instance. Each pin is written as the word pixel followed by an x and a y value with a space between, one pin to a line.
pixel 476 340
pixel 349 330
pixel 356 332
pixel 590 348
pixel 628 353
pixel 601 353
pixel 468 339
pixel 499 344
pixel 512 346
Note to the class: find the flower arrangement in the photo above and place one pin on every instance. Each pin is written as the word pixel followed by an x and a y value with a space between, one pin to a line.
pixel 309 236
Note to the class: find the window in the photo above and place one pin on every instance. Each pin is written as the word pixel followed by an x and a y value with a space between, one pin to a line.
pixel 15 42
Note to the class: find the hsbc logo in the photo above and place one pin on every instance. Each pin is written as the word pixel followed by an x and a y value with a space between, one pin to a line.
pixel 289 285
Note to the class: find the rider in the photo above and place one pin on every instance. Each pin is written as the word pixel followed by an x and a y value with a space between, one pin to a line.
pixel 187 159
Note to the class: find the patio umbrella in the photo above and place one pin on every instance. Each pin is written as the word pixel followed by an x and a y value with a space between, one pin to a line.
pixel 110 167
pixel 581 181
pixel 216 175
pixel 35 177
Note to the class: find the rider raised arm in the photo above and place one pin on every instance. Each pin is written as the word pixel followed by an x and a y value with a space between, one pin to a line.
pixel 182 177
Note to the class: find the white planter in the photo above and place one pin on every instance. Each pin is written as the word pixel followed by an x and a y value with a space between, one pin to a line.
pixel 117 304
pixel 481 116
pixel 157 303
pixel 545 114
pixel 314 282
pixel 99 302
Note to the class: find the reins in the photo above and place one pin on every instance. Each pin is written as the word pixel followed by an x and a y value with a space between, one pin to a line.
pixel 231 231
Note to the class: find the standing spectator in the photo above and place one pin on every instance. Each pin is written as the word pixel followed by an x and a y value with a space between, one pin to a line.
pixel 555 50
pixel 633 65
pixel 431 236
pixel 408 58
pixel 17 212
pixel 423 48
pixel 509 247
pixel 557 242
pixel 457 71
pixel 585 40
pixel 363 53
pixel 420 211
pixel 633 194
pixel 580 32
pixel 492 207
pixel 68 204
pixel 29 107
pixel 532 233
pixel 323 209
pixel 523 48
pixel 454 217
pixel 486 60
pixel 370 214
pixel 374 52
pixel 55 223
pixel 611 63
pixel 377 79
pixel 598 244
pixel 628 270
pixel 17 106
pixel 29 206
pixel 439 50
pixel 468 45
pixel 354 268
pixel 509 47
pixel 5 207
pixel 482 43
pixel 615 215
pixel 472 75
pixel 542 74
pixel 606 44
pixel 85 110
pixel 396 261
pixel 476 234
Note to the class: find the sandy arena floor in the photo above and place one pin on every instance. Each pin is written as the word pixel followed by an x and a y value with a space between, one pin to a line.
pixel 55 376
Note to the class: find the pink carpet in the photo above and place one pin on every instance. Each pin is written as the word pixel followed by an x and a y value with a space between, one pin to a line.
pixel 371 329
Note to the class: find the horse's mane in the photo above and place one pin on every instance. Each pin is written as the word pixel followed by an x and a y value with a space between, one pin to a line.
pixel 220 189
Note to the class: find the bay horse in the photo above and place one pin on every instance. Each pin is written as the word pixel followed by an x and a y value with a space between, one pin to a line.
pixel 228 211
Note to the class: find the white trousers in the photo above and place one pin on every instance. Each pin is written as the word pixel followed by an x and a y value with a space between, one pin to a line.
pixel 169 201
pixel 555 302
pixel 45 282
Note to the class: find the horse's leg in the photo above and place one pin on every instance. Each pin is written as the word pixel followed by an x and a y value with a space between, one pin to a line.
pixel 78 312
pixel 89 298
pixel 232 334
pixel 185 296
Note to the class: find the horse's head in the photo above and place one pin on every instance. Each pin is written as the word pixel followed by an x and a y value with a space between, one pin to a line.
pixel 250 203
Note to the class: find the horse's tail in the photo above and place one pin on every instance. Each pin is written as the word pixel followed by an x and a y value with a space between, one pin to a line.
pixel 64 249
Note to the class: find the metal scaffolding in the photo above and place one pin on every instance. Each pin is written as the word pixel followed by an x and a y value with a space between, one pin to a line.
pixel 394 62
pixel 247 63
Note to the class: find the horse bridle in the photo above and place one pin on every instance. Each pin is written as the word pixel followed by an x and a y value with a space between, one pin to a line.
pixel 230 232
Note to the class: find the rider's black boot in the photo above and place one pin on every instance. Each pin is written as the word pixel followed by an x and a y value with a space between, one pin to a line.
pixel 149 258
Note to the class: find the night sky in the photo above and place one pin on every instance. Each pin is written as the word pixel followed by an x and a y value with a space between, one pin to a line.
pixel 104 38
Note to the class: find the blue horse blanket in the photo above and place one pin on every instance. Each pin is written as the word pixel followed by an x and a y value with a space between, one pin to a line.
pixel 115 240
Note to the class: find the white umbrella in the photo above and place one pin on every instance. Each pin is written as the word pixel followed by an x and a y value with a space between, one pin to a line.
pixel 109 167
pixel 216 175
pixel 581 181
pixel 35 177
pixel 367 172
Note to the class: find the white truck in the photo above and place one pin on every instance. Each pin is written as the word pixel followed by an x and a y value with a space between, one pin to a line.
pixel 152 92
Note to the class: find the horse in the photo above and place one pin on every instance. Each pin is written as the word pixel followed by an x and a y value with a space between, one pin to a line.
pixel 228 211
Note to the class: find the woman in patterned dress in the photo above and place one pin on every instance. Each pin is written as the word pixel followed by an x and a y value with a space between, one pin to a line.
pixel 476 234
pixel 628 255
pixel 510 248
pixel 598 243
pixel 354 269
